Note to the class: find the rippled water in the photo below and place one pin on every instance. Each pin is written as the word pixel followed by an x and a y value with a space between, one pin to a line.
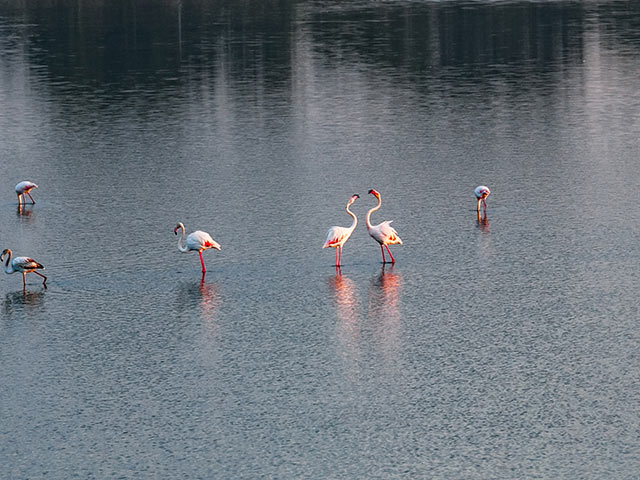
pixel 504 347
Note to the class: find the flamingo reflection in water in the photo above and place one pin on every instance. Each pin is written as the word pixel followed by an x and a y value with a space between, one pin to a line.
pixel 483 222
pixel 199 295
pixel 24 211
pixel 385 295
pixel 22 302
pixel 348 312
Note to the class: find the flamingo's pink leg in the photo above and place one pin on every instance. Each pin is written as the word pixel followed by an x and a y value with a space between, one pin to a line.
pixel 337 259
pixel 393 260
pixel 340 257
pixel 24 281
pixel 384 260
pixel 44 282
pixel 32 200
pixel 204 269
pixel 19 199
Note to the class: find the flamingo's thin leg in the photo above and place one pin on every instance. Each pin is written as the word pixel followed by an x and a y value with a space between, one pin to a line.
pixel 19 199
pixel 24 281
pixel 393 260
pixel 337 259
pixel 340 257
pixel 204 269
pixel 32 200
pixel 384 260
pixel 44 282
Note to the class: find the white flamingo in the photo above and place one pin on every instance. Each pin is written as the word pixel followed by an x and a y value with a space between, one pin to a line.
pixel 197 241
pixel 338 236
pixel 482 192
pixel 23 188
pixel 23 265
pixel 383 233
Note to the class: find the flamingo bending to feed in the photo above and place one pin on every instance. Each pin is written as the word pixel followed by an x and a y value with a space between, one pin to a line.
pixel 24 188
pixel 338 236
pixel 197 241
pixel 383 233
pixel 23 265
pixel 482 192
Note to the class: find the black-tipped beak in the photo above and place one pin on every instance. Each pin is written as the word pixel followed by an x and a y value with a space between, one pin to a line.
pixel 356 195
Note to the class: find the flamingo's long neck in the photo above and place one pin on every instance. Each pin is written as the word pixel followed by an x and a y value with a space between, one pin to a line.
pixel 377 207
pixel 7 266
pixel 355 219
pixel 181 246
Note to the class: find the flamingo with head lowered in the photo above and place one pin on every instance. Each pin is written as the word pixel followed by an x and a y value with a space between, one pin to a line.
pixel 383 233
pixel 482 192
pixel 197 241
pixel 338 236
pixel 23 188
pixel 23 265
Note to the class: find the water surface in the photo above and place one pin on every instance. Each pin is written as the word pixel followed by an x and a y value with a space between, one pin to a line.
pixel 500 348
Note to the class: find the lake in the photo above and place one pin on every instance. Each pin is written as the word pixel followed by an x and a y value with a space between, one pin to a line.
pixel 503 346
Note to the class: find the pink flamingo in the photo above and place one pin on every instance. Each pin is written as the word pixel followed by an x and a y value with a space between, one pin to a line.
pixel 383 233
pixel 197 241
pixel 23 188
pixel 482 192
pixel 338 236
pixel 23 265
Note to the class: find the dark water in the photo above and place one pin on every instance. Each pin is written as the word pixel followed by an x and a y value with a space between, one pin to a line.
pixel 499 349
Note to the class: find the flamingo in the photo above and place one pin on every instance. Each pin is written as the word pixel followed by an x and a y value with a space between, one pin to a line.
pixel 23 265
pixel 383 233
pixel 482 192
pixel 338 236
pixel 196 241
pixel 25 187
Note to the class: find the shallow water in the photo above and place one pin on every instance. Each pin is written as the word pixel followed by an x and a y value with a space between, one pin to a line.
pixel 500 348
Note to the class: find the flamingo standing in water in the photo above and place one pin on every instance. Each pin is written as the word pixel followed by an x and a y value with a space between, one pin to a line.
pixel 482 192
pixel 383 233
pixel 23 265
pixel 23 188
pixel 338 236
pixel 197 241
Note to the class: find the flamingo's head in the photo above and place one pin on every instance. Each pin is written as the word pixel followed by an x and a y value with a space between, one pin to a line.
pixel 178 227
pixel 353 198
pixel 374 193
pixel 4 252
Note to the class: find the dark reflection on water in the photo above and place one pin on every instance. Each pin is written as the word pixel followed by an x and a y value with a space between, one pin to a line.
pixel 498 346
pixel 23 303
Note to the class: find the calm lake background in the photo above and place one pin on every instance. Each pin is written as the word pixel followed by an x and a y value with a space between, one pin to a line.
pixel 505 348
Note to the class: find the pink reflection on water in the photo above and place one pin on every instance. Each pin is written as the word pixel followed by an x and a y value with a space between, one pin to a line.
pixel 209 302
pixel 347 304
pixel 385 301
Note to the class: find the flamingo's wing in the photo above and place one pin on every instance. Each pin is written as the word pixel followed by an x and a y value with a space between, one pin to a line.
pixel 387 234
pixel 199 240
pixel 25 186
pixel 26 263
pixel 336 236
